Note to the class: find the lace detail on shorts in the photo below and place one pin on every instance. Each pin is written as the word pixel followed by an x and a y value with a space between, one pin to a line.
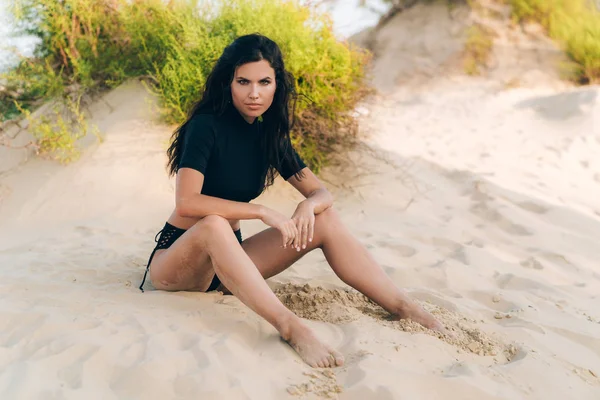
pixel 168 235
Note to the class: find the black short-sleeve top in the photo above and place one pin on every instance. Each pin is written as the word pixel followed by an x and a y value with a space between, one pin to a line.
pixel 227 150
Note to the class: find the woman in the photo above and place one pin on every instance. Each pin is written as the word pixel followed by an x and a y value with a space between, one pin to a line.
pixel 234 141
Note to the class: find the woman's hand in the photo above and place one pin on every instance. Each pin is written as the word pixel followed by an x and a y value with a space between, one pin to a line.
pixel 286 226
pixel 304 218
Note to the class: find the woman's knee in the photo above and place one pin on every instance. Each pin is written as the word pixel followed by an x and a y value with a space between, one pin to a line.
pixel 327 221
pixel 210 227
pixel 214 222
pixel 327 217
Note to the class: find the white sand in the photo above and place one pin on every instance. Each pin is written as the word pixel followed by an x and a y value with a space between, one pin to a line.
pixel 483 202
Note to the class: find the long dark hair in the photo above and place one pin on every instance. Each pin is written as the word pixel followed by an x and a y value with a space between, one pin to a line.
pixel 216 97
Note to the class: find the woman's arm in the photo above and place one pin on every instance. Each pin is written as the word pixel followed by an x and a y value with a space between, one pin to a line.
pixel 189 203
pixel 320 199
pixel 200 205
pixel 316 194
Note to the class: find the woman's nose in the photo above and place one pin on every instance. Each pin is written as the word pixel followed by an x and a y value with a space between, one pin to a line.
pixel 254 93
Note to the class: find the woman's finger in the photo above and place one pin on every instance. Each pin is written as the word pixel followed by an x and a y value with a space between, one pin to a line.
pixel 305 234
pixel 311 229
pixel 299 235
pixel 285 234
pixel 291 235
pixel 283 237
pixel 291 226
pixel 296 241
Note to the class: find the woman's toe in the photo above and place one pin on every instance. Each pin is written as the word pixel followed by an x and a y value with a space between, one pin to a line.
pixel 339 359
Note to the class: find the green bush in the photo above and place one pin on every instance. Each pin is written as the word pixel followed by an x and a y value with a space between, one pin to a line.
pixel 478 48
pixel 94 45
pixel 58 135
pixel 573 23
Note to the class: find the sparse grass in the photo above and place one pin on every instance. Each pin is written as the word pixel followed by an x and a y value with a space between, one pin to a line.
pixel 478 48
pixel 57 136
pixel 512 83
pixel 90 46
pixel 574 24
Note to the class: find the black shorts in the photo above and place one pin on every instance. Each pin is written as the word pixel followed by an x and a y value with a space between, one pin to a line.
pixel 168 235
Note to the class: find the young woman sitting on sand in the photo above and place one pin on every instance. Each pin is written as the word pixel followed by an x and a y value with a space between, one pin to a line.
pixel 234 141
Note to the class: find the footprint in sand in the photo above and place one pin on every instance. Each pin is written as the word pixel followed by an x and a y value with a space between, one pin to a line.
pixel 59 346
pixel 186 341
pixel 532 262
pixel 133 353
pixel 186 387
pixel 532 207
pixel 401 249
pixel 443 242
pixel 510 281
pixel 5 191
pixel 321 383
pixel 200 357
pixel 16 329
pixel 458 369
pixel 71 375
pixel 495 302
pixel 587 340
pixel 124 381
pixel 451 249
pixel 79 353
pixel 587 375
pixel 340 306
pixel 482 209
pixel 491 215
pixel 90 232
pixel 84 231
pixel 561 260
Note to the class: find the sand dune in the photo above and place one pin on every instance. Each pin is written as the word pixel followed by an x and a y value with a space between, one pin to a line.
pixel 502 249
pixel 482 202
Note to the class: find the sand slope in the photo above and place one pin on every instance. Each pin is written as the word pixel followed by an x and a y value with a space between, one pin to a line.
pixel 506 253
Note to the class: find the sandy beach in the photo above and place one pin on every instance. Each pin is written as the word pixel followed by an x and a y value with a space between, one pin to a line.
pixel 481 200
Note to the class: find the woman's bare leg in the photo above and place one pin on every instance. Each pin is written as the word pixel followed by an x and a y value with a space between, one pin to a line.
pixel 348 258
pixel 210 243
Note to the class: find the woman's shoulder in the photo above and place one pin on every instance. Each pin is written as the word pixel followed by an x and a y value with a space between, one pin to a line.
pixel 211 118
pixel 201 123
pixel 203 118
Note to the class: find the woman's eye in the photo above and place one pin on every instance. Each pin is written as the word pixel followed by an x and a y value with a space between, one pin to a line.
pixel 245 82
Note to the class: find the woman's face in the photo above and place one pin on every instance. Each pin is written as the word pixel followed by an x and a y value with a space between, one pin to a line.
pixel 253 88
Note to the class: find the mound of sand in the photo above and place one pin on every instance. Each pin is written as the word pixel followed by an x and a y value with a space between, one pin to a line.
pixel 338 306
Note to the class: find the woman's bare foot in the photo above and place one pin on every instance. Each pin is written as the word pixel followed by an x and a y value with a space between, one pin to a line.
pixel 310 349
pixel 409 309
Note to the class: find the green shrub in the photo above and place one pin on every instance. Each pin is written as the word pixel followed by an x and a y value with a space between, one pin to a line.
pixel 94 45
pixel 478 48
pixel 573 23
pixel 57 136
